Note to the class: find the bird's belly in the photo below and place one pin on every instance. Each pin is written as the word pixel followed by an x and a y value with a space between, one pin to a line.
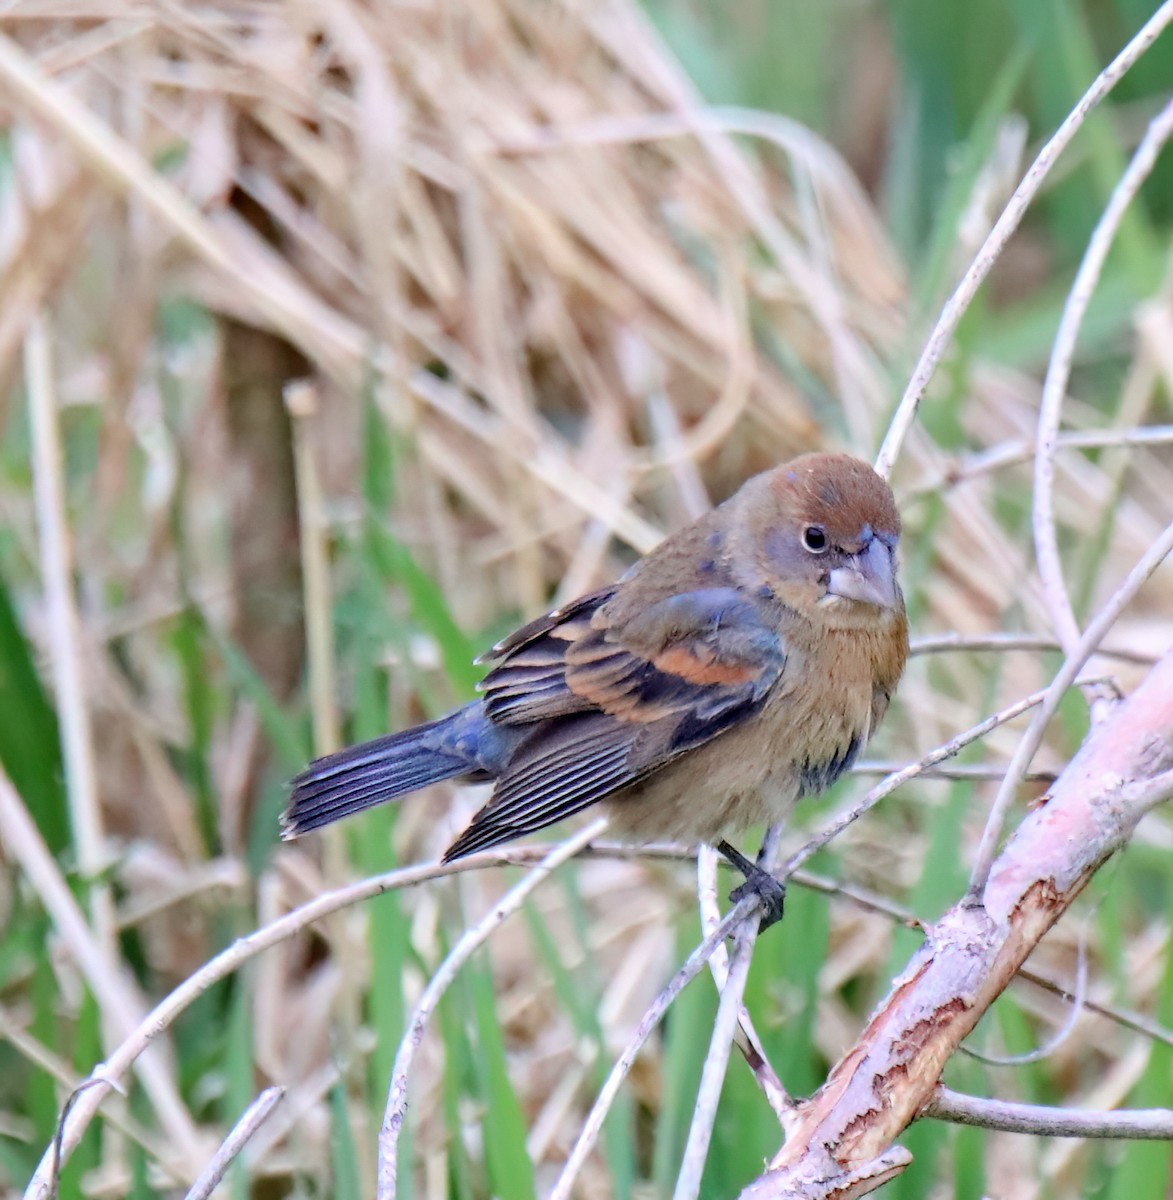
pixel 751 775
pixel 719 789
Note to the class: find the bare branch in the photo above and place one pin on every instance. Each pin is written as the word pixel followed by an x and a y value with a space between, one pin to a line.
pixel 1059 371
pixel 1134 1124
pixel 693 965
pixel 257 1113
pixel 747 1040
pixel 875 795
pixel 1123 1017
pixel 470 942
pixel 1078 1000
pixel 716 1062
pixel 700 1131
pixel 1003 230
pixel 977 771
pixel 104 1078
pixel 972 954
pixel 935 643
pixel 1033 738
pixel 1007 454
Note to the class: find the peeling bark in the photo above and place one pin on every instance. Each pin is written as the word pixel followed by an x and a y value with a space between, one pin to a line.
pixel 842 1142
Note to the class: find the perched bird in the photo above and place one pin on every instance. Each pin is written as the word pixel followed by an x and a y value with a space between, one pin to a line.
pixel 740 665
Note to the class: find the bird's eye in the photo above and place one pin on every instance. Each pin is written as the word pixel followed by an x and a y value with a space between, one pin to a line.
pixel 814 538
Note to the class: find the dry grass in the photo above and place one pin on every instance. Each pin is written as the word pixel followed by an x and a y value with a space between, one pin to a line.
pixel 580 306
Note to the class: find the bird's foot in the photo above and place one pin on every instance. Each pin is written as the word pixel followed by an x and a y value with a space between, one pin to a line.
pixel 770 890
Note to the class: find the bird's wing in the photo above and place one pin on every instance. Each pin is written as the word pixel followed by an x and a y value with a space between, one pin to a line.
pixel 610 705
pixel 529 681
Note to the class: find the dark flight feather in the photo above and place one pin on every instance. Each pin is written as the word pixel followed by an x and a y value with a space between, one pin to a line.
pixel 612 708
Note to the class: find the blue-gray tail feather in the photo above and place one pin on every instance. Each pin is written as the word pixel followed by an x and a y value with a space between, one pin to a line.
pixel 460 744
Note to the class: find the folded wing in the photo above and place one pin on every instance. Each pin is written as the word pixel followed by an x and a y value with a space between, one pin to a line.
pixel 610 703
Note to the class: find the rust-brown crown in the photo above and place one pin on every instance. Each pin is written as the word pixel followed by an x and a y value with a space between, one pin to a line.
pixel 838 492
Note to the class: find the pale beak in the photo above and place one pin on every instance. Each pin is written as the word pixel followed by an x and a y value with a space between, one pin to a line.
pixel 869 577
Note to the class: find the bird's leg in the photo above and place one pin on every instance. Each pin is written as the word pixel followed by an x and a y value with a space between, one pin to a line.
pixel 758 882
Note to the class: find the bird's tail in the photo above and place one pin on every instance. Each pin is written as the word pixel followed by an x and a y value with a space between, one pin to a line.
pixel 384 769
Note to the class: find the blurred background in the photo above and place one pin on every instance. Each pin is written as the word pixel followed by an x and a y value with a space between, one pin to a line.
pixel 369 329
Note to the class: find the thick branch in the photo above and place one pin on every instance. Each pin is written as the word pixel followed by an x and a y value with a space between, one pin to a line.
pixel 968 959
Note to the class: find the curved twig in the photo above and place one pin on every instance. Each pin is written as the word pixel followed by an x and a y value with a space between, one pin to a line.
pixel 1032 739
pixel 1059 371
pixel 1003 230
pixel 700 1131
pixel 470 942
pixel 693 965
pixel 972 954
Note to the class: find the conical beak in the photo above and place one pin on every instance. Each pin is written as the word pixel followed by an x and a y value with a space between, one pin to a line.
pixel 869 577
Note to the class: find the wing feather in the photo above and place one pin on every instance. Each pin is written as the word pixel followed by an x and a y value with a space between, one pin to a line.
pixel 610 705
pixel 552 777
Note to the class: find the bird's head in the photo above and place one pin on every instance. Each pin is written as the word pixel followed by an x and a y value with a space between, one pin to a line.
pixel 825 528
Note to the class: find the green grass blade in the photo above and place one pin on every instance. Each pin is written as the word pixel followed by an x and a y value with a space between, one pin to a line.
pixel 343 1151
pixel 239 1079
pixel 689 1024
pixel 30 748
pixel 510 1171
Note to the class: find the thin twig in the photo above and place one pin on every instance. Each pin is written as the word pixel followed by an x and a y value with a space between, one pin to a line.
pixel 869 901
pixel 1134 1124
pixel 1039 1053
pixel 103 1079
pixel 700 1130
pixel 936 643
pixel 1033 737
pixel 464 949
pixel 881 790
pixel 1125 1018
pixel 257 1113
pixel 1008 454
pixel 58 1160
pixel 1059 372
pixel 970 771
pixel 47 1061
pixel 693 965
pixel 747 1040
pixel 970 956
pixel 1003 230
pixel 704 1117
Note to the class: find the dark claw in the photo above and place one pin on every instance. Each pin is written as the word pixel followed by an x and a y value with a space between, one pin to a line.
pixel 760 883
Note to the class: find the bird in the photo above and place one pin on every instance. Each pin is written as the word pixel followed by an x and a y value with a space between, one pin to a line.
pixel 739 666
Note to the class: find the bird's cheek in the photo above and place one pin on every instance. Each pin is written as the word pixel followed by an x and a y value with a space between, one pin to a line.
pixel 801 594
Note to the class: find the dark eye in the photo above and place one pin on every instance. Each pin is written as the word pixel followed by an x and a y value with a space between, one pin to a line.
pixel 814 538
